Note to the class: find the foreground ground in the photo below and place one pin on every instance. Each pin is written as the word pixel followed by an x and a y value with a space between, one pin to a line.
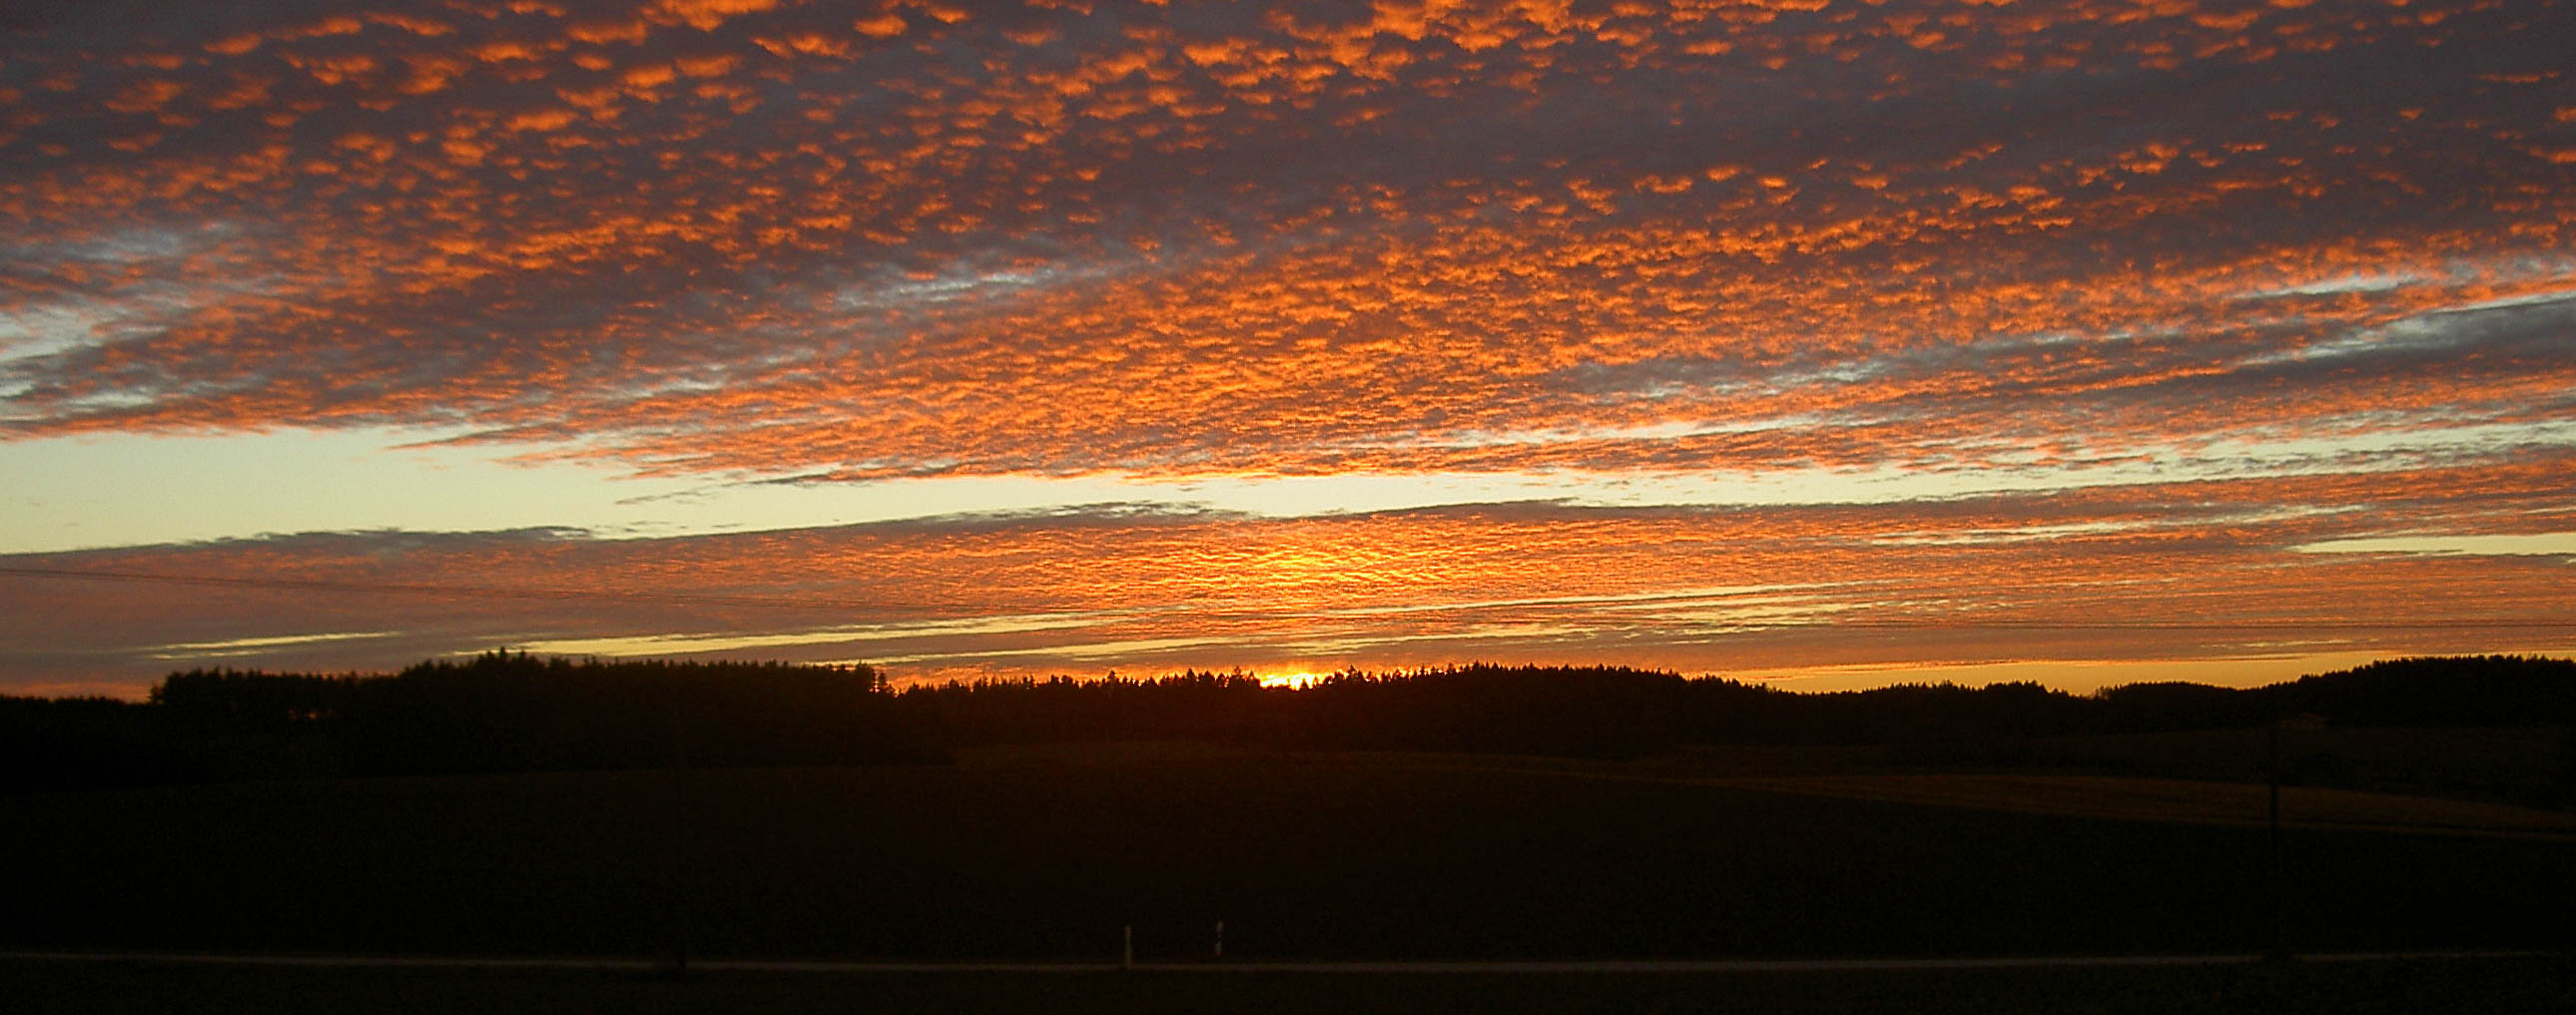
pixel 2486 985
pixel 1050 855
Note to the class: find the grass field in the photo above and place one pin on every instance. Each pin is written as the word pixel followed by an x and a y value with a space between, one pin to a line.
pixel 1039 855
pixel 2515 763
pixel 2180 800
pixel 2490 986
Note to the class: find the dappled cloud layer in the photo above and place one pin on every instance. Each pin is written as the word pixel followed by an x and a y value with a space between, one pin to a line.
pixel 2172 289
pixel 2196 571
pixel 839 240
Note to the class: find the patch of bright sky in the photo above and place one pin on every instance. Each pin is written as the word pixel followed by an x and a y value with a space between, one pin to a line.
pixel 2516 269
pixel 2082 676
pixel 68 493
pixel 253 646
pixel 2024 534
pixel 2356 282
pixel 909 292
pixel 2540 544
pixel 45 326
pixel 2434 327
pixel 49 327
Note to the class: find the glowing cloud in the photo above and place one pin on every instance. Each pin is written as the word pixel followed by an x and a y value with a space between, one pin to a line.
pixel 2312 261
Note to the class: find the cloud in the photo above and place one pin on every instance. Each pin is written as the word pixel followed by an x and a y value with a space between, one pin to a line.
pixel 2292 274
pixel 2190 570
pixel 784 239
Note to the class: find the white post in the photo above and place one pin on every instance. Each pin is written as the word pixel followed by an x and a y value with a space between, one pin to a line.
pixel 1220 939
pixel 1127 947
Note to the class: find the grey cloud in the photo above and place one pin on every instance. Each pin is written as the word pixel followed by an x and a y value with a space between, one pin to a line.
pixel 569 347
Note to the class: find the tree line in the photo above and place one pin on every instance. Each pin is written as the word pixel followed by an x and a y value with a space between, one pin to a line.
pixel 505 711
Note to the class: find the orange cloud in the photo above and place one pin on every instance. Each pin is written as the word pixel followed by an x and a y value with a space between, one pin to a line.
pixel 756 239
pixel 2115 573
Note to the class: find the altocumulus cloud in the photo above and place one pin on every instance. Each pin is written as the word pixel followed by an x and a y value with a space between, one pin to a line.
pixel 2306 253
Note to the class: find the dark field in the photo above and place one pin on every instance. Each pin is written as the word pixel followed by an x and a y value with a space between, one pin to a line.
pixel 2510 765
pixel 2487 986
pixel 1302 857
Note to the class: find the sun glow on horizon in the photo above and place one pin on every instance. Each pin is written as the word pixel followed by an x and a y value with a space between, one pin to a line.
pixel 1294 678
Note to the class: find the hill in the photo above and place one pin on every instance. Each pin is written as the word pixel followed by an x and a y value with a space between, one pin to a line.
pixel 504 712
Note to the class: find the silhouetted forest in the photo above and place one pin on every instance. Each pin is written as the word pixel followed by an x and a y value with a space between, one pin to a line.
pixel 507 711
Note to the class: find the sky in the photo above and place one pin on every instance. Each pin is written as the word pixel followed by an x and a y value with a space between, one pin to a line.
pixel 1831 342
